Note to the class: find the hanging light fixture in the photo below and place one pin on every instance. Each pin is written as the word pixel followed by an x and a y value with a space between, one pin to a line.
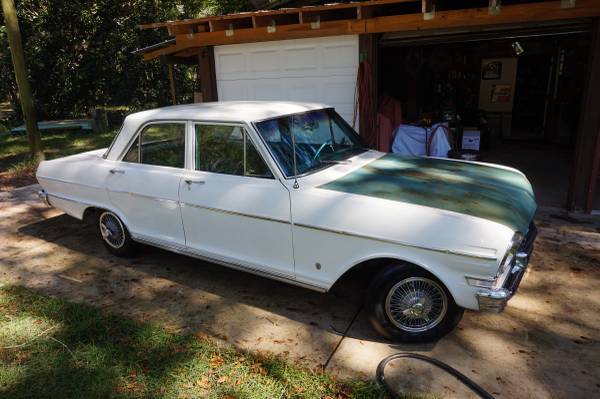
pixel 518 48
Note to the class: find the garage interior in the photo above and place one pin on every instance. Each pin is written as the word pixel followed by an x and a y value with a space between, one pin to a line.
pixel 532 126
pixel 514 79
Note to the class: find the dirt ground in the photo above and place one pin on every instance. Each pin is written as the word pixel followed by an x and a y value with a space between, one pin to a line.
pixel 545 345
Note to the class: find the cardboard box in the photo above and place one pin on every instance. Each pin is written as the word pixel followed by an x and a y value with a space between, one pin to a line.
pixel 471 139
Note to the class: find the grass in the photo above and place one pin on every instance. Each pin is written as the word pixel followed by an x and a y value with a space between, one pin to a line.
pixel 76 351
pixel 14 148
pixel 18 169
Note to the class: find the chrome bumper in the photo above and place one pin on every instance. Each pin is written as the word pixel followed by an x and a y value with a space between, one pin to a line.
pixel 43 196
pixel 494 300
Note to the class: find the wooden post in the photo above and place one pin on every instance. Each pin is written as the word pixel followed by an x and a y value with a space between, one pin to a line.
pixel 367 95
pixel 18 59
pixel 589 124
pixel 172 83
pixel 207 74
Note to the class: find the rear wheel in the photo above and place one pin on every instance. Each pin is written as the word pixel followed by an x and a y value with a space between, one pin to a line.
pixel 406 303
pixel 114 235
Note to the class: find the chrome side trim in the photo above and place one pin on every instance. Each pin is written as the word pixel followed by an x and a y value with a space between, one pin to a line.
pixel 70 182
pixel 405 244
pixel 159 199
pixel 234 213
pixel 48 195
pixel 286 278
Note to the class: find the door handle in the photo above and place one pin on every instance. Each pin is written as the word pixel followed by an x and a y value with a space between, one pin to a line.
pixel 189 182
pixel 117 171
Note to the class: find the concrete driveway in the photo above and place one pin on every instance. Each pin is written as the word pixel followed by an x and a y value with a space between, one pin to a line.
pixel 546 344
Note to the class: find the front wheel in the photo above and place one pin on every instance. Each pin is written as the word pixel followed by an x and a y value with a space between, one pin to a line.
pixel 406 303
pixel 115 236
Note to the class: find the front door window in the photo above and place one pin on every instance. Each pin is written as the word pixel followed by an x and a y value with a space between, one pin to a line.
pixel 228 150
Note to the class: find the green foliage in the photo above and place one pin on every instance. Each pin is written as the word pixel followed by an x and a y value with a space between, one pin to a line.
pixel 79 53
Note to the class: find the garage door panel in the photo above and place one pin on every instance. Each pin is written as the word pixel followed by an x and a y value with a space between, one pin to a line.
pixel 234 89
pixel 261 62
pixel 340 57
pixel 312 70
pixel 299 59
pixel 266 89
pixel 231 64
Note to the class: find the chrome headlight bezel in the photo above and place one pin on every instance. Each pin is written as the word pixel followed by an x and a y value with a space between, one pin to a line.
pixel 509 259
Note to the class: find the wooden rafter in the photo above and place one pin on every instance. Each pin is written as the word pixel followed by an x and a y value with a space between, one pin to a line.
pixel 352 18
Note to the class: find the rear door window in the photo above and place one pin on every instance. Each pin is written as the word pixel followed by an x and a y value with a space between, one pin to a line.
pixel 161 144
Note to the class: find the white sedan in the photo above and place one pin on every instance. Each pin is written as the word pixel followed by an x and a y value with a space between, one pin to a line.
pixel 287 190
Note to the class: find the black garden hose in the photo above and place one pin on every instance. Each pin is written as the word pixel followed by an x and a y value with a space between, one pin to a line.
pixel 450 370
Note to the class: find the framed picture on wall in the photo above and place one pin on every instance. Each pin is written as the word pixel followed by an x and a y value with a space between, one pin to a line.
pixel 492 70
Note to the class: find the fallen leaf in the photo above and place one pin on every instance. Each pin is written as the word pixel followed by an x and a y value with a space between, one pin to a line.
pixel 202 337
pixel 215 361
pixel 203 383
pixel 223 379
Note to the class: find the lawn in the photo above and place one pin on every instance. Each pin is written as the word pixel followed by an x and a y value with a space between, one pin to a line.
pixel 56 349
pixel 16 167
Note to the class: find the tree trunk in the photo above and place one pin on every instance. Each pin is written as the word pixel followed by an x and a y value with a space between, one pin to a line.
pixel 18 59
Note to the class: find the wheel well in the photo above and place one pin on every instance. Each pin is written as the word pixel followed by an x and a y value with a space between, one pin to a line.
pixel 365 271
pixel 90 214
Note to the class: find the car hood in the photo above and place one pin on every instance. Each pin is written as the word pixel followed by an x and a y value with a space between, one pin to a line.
pixel 491 192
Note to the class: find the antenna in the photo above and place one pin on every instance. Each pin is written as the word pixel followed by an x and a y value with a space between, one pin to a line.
pixel 296 185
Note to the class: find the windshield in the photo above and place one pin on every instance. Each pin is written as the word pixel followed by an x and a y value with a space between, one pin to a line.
pixel 321 137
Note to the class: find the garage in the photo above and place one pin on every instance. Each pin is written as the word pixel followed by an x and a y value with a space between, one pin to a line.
pixel 511 97
pixel 509 82
pixel 313 70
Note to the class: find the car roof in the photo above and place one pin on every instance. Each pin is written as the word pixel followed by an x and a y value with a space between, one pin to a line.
pixel 227 111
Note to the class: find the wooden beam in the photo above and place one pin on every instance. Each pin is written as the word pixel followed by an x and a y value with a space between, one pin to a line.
pixel 368 21
pixel 207 74
pixel 261 34
pixel 589 126
pixel 172 84
pixel 520 13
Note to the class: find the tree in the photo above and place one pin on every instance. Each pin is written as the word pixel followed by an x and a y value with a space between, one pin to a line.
pixel 16 49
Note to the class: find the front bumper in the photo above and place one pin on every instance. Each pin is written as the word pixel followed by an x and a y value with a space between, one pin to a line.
pixel 494 300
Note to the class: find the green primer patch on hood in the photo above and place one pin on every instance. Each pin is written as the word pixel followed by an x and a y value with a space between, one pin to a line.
pixel 488 192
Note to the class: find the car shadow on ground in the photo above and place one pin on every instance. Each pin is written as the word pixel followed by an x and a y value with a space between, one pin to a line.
pixel 187 279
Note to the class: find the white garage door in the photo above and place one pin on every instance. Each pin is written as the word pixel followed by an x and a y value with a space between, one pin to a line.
pixel 320 70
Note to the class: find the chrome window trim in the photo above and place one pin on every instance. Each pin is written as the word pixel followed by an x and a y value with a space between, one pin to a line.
pixel 265 145
pixel 402 243
pixel 137 133
pixel 112 143
pixel 247 132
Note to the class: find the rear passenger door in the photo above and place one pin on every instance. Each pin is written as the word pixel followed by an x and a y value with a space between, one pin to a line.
pixel 144 184
pixel 233 208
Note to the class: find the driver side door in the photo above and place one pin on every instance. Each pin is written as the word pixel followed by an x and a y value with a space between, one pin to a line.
pixel 234 210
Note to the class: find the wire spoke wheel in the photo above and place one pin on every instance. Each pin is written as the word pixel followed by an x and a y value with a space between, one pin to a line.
pixel 416 304
pixel 112 230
